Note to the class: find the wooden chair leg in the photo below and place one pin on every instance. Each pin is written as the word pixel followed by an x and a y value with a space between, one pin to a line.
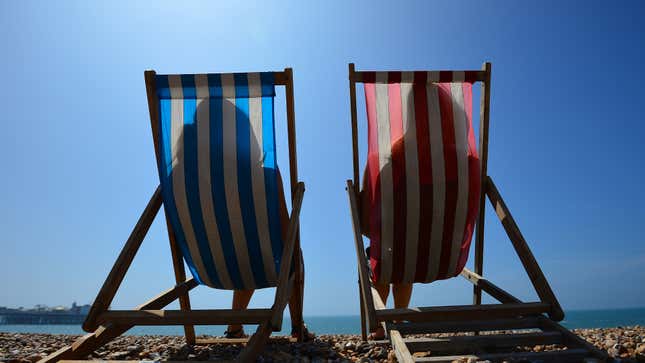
pixel 189 330
pixel 256 344
pixel 298 294
pixel 361 307
pixel 180 275
pixel 290 253
pixel 400 349
pixel 363 272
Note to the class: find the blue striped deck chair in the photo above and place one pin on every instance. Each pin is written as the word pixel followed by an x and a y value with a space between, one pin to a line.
pixel 214 139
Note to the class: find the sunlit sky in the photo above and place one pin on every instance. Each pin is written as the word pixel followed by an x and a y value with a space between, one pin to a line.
pixel 565 148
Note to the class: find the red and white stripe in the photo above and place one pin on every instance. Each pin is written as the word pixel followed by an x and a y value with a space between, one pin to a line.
pixel 424 198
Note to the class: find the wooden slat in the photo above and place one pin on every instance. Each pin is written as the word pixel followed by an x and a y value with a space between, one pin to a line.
pixel 523 251
pixel 153 108
pixel 484 117
pixel 354 122
pixel 168 296
pixel 280 302
pixel 474 343
pixel 355 191
pixel 280 78
pixel 490 288
pixel 571 339
pixel 283 291
pixel 465 312
pixel 479 74
pixel 297 301
pixel 363 275
pixel 361 306
pixel 466 326
pixel 219 340
pixel 181 317
pixel 368 320
pixel 291 131
pixel 117 273
pixel 569 355
pixel 180 275
pixel 400 349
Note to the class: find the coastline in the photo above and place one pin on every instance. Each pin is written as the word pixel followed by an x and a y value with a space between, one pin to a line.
pixel 624 344
pixel 346 324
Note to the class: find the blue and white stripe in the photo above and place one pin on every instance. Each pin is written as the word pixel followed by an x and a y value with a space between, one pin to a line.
pixel 219 175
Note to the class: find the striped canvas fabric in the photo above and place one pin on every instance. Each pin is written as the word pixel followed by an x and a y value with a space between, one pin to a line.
pixel 422 178
pixel 218 174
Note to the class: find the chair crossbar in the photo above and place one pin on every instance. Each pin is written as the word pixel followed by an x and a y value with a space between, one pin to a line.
pixel 466 312
pixel 182 317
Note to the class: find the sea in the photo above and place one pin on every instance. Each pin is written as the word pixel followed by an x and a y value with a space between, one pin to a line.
pixel 350 324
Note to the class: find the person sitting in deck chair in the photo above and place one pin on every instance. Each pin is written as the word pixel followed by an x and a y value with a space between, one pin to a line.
pixel 241 298
pixel 401 292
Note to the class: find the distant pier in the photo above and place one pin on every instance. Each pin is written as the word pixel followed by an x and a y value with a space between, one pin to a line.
pixel 42 314
pixel 41 318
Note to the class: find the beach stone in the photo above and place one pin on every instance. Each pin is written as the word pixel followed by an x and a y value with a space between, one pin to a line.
pixel 118 355
pixel 620 348
pixel 609 343
pixel 624 345
pixel 640 349
pixel 133 348
pixel 364 347
pixel 378 353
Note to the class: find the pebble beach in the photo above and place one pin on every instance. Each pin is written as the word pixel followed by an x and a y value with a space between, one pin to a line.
pixel 623 344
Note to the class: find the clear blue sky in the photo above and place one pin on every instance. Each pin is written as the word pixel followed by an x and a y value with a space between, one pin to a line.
pixel 567 130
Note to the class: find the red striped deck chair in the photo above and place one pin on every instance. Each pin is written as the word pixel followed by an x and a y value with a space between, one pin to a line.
pixel 214 138
pixel 423 194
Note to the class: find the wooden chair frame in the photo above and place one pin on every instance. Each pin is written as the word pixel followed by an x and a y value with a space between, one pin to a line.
pixel 474 317
pixel 104 325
